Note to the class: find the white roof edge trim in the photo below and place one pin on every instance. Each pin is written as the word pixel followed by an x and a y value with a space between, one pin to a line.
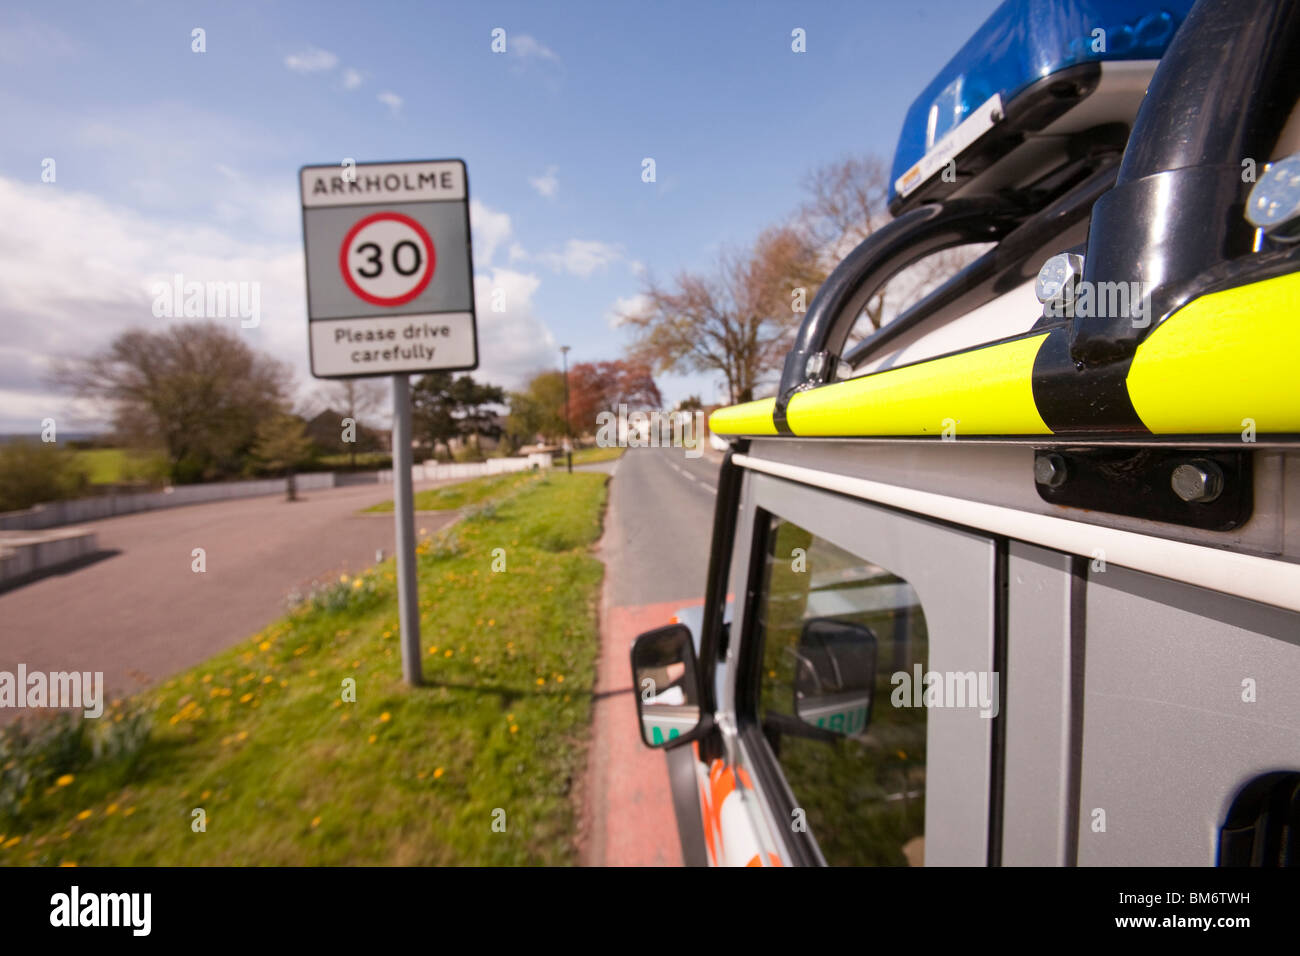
pixel 1268 581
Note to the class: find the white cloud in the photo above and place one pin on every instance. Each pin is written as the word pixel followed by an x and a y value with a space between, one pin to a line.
pixel 517 252
pixel 75 271
pixel 528 48
pixel 626 305
pixel 391 100
pixel 311 60
pixel 582 257
pixel 546 185
pixel 513 343
pixel 352 78
pixel 31 41
pixel 490 230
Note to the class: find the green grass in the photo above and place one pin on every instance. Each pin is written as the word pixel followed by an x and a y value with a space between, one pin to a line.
pixel 111 466
pixel 104 466
pixel 465 493
pixel 289 774
pixel 588 456
pixel 365 459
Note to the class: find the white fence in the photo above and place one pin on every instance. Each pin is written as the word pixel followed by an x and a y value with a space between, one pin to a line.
pixel 436 471
pixel 57 513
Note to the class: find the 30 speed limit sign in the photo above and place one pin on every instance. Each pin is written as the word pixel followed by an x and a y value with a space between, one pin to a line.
pixel 390 286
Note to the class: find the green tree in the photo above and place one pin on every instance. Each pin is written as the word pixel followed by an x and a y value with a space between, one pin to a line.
pixel 282 444
pixel 36 471
pixel 444 408
pixel 538 409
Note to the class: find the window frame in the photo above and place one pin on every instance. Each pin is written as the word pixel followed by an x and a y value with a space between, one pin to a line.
pixel 963 817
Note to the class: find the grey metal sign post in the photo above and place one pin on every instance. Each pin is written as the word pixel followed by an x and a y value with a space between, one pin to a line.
pixel 390 291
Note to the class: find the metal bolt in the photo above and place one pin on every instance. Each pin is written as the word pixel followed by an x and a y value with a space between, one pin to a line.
pixel 1050 470
pixel 1274 202
pixel 1058 277
pixel 813 367
pixel 1197 480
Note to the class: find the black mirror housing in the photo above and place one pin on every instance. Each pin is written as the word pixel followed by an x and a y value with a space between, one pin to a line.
pixel 835 676
pixel 666 683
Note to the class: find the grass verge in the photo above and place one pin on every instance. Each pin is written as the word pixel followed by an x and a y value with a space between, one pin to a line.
pixel 287 773
pixel 589 456
pixel 465 493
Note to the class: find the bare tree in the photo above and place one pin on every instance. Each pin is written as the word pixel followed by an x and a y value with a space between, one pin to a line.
pixel 194 389
pixel 355 398
pixel 847 202
pixel 737 319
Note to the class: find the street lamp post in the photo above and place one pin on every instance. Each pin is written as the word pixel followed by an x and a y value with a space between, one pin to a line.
pixel 568 434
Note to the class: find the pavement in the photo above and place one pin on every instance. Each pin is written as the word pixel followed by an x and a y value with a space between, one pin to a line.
pixel 140 613
pixel 656 553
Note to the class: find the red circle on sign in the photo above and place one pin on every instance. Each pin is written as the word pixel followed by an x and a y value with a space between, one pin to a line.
pixel 406 221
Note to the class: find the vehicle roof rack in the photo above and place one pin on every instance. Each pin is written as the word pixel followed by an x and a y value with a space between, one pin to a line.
pixel 1224 313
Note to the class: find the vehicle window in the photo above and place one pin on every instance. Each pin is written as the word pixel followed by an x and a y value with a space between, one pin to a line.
pixel 834 629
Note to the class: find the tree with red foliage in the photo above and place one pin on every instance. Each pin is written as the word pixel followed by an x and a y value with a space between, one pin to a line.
pixel 595 387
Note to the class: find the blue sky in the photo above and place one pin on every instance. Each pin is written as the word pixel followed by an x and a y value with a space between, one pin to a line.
pixel 173 160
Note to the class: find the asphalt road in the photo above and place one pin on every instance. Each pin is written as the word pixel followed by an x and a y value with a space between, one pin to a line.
pixel 141 613
pixel 656 552
pixel 661 514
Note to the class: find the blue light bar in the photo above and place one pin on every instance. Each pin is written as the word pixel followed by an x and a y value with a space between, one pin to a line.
pixel 1020 44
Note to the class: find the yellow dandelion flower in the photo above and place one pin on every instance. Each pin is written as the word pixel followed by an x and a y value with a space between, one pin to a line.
pixel 437 773
pixel 245 698
pixel 356 583
pixel 267 679
pixel 448 653
pixel 207 678
pixel 373 738
pixel 110 809
pixel 514 728
pixel 343 579
pixel 315 822
pixel 541 681
pixel 385 717
pixel 85 814
pixel 205 794
pixel 128 811
pixel 67 863
pixel 559 678
pixel 492 622
pixel 13 843
pixel 264 646
pixel 66 779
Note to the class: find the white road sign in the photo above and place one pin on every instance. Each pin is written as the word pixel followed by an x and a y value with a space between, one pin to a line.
pixel 390 285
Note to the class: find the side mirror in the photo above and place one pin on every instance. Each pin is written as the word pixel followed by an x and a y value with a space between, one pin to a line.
pixel 666 685
pixel 835 676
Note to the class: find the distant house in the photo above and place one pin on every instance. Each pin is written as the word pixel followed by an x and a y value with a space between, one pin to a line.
pixel 326 432
pixel 423 448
